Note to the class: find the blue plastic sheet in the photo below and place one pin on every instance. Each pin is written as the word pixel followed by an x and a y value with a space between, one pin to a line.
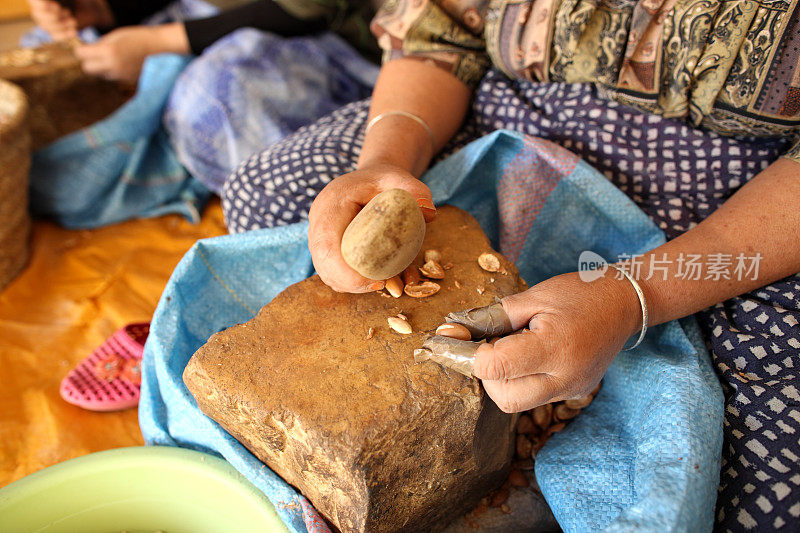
pixel 644 456
pixel 121 167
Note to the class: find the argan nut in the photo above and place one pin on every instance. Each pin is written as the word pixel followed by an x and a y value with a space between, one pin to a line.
pixel 395 286
pixel 455 331
pixel 385 236
pixel 399 325
pixel 579 403
pixel 537 444
pixel 433 256
pixel 422 290
pixel 543 415
pixel 489 262
pixel 518 479
pixel 498 498
pixel 555 428
pixel 525 423
pixel 562 412
pixel 432 270
pixel 505 509
pixel 524 447
pixel 524 464
pixel 411 276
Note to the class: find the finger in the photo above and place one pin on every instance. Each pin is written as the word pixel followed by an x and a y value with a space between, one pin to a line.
pixel 324 241
pixel 94 51
pixel 521 394
pixel 64 16
pixel 514 356
pixel 452 353
pixel 520 308
pixel 95 67
pixel 63 33
pixel 489 321
pixel 327 222
pixel 88 52
pixel 48 19
pixel 46 6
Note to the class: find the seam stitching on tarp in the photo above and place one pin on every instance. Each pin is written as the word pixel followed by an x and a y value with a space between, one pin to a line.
pixel 227 287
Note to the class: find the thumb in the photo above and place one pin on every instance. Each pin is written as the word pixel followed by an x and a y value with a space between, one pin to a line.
pixel 514 356
pixel 87 51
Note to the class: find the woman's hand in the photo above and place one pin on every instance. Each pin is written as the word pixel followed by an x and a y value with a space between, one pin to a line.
pixel 63 24
pixel 119 55
pixel 337 204
pixel 573 330
pixel 56 20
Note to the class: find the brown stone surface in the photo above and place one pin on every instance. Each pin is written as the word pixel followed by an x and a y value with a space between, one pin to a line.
pixel 62 98
pixel 376 442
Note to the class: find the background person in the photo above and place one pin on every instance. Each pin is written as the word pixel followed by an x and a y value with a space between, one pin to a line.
pixel 264 68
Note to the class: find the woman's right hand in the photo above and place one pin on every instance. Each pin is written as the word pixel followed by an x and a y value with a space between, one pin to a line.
pixel 338 203
pixel 63 24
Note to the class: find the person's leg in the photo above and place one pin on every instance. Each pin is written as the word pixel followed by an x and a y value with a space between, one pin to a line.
pixel 251 89
pixel 276 186
pixel 676 173
pixel 679 175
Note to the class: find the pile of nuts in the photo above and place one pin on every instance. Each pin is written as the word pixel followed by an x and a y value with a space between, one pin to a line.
pixel 533 429
pixel 411 283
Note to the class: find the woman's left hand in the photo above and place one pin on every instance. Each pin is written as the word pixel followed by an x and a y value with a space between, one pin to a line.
pixel 119 54
pixel 573 330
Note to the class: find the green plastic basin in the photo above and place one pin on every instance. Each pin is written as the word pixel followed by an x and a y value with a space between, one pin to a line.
pixel 141 489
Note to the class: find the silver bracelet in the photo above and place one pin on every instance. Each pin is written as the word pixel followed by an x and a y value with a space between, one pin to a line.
pixel 406 114
pixel 642 302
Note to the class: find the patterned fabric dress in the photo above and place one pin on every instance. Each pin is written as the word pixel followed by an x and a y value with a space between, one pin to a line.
pixel 729 66
pixel 678 103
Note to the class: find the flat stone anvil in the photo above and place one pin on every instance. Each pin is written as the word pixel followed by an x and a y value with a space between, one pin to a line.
pixel 376 442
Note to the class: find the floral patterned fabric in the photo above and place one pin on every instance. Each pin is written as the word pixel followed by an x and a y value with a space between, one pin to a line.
pixel 731 66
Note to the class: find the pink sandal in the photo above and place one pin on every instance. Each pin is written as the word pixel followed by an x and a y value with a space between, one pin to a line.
pixel 109 379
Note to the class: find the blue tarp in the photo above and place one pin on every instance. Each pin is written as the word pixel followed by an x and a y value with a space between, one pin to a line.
pixel 645 455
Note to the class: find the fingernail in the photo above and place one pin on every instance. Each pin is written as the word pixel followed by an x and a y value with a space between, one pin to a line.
pixel 378 285
pixel 426 205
